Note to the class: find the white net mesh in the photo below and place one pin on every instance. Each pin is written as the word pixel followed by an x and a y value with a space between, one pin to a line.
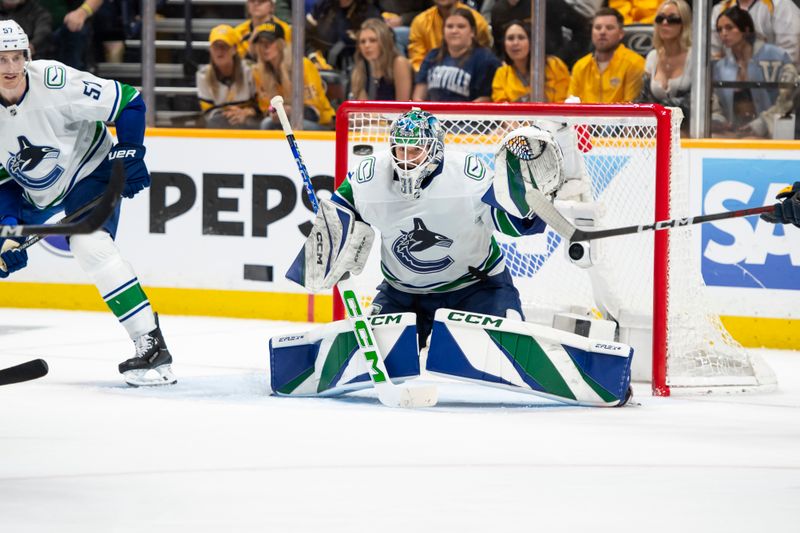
pixel 620 157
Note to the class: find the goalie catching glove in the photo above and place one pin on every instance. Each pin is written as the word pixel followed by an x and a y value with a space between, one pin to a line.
pixel 527 160
pixel 338 244
pixel 533 159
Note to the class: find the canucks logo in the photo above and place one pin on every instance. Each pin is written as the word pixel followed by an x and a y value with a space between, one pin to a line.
pixel 420 239
pixel 34 167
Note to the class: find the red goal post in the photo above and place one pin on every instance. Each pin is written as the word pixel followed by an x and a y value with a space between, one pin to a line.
pixel 632 156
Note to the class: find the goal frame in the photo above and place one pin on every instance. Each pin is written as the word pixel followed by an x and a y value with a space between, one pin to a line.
pixel 663 169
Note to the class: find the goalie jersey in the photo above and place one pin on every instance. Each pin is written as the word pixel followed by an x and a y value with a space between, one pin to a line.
pixel 56 135
pixel 441 241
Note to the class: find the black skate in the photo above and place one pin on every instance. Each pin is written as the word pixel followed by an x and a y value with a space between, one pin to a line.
pixel 151 354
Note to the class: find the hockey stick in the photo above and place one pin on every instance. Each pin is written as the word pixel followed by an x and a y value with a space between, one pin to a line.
pixel 389 394
pixel 545 210
pixel 103 209
pixel 23 372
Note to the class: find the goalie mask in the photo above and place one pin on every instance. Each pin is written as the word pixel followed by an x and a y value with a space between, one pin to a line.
pixel 13 38
pixel 416 140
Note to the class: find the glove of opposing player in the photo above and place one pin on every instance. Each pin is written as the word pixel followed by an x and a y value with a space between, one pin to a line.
pixel 787 211
pixel 11 259
pixel 137 177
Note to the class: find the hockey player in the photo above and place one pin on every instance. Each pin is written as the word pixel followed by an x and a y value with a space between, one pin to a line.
pixel 436 215
pixel 788 210
pixel 58 156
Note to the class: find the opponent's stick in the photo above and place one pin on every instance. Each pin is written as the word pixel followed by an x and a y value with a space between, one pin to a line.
pixel 547 212
pixel 104 208
pixel 389 394
pixel 23 372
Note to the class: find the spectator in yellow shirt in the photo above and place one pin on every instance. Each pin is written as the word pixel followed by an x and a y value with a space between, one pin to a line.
pixel 612 73
pixel 427 29
pixel 273 75
pixel 512 81
pixel 260 12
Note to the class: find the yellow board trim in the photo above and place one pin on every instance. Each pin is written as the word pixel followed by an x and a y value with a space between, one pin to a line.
pixel 199 302
pixel 739 144
pixel 759 332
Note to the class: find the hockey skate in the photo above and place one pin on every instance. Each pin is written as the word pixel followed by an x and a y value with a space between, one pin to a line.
pixel 153 357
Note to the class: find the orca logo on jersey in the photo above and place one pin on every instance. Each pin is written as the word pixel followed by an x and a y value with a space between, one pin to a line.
pixel 34 167
pixel 417 240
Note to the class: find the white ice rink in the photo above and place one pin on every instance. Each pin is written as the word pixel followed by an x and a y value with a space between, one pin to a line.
pixel 81 452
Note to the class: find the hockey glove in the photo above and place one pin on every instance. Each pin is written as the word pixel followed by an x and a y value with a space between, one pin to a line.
pixel 136 175
pixel 788 211
pixel 338 244
pixel 528 160
pixel 11 259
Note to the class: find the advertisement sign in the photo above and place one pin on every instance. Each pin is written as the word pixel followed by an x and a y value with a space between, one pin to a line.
pixel 748 252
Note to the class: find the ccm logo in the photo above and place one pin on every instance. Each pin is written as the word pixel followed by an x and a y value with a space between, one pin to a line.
pixel 122 155
pixel 320 248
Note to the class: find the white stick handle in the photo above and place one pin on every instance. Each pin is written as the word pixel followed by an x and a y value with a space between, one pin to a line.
pixel 277 104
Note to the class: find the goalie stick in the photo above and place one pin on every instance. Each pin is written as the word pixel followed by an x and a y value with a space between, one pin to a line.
pixel 102 210
pixel 23 372
pixel 389 394
pixel 548 212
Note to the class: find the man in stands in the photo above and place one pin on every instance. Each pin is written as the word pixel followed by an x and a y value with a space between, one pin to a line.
pixel 612 73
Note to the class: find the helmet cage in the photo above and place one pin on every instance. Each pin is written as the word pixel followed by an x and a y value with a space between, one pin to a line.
pixel 416 142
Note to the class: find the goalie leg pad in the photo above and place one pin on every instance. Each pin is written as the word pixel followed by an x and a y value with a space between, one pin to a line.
pixel 337 244
pixel 325 361
pixel 529 358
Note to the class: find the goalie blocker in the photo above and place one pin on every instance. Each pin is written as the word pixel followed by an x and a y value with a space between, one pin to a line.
pixel 338 244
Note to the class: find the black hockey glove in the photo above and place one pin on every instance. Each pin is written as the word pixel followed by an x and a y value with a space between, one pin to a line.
pixel 137 176
pixel 788 211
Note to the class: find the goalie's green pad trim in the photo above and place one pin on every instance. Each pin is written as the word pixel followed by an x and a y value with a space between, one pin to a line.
pixel 529 358
pixel 324 361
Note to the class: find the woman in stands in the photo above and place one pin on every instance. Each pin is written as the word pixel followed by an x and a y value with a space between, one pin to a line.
pixel 749 112
pixel 259 12
pixel 225 86
pixel 460 70
pixel 273 75
pixel 512 80
pixel 380 71
pixel 668 66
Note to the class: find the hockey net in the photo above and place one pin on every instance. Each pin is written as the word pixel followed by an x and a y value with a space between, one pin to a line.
pixel 651 280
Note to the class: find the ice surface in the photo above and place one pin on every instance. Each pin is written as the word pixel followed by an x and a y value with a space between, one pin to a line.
pixel 81 452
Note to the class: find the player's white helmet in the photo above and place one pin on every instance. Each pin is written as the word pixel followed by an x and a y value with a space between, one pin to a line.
pixel 13 37
pixel 416 139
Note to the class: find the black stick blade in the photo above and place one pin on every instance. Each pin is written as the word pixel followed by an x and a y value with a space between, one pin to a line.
pixel 104 208
pixel 24 372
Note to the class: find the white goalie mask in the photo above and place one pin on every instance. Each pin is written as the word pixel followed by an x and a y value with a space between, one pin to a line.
pixel 416 140
pixel 13 37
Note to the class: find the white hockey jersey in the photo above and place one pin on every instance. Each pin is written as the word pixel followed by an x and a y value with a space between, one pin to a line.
pixel 56 134
pixel 441 241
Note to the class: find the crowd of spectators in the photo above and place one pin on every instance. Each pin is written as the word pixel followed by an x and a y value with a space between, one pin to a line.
pixel 470 50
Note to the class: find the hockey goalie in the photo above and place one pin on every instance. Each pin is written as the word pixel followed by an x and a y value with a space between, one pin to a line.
pixel 446 287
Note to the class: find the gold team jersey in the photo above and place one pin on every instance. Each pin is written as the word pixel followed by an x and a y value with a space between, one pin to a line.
pixel 507 87
pixel 620 82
